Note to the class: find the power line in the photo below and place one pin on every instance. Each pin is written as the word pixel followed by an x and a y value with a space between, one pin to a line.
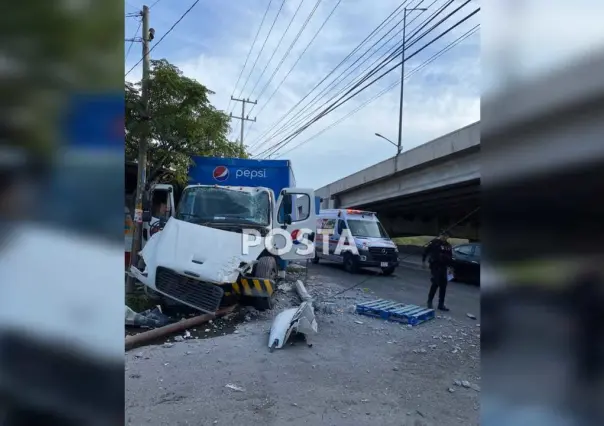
pixel 249 52
pixel 306 111
pixel 347 96
pixel 291 21
pixel 300 117
pixel 156 1
pixel 300 56
pixel 166 34
pixel 389 88
pixel 388 59
pixel 343 99
pixel 262 48
pixel 375 30
pixel 289 49
pixel 132 41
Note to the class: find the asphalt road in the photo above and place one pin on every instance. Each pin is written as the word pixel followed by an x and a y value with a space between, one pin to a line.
pixel 409 284
pixel 359 371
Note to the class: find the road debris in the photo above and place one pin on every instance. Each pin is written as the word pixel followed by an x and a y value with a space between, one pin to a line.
pixel 140 339
pixel 471 316
pixel 299 320
pixel 151 318
pixel 234 387
pixel 301 290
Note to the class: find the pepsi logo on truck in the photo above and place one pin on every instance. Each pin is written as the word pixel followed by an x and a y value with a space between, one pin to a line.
pixel 221 173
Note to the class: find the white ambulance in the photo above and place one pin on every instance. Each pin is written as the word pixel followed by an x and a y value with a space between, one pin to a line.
pixel 355 238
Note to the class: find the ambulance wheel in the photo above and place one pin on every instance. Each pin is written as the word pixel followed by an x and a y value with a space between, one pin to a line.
pixel 388 271
pixel 350 263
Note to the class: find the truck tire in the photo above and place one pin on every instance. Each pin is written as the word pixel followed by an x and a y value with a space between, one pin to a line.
pixel 388 271
pixel 265 268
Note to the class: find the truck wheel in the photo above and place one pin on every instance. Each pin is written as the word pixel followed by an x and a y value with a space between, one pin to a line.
pixel 350 263
pixel 388 271
pixel 265 268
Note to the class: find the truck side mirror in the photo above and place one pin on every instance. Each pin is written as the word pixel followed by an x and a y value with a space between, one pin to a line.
pixel 288 219
pixel 287 203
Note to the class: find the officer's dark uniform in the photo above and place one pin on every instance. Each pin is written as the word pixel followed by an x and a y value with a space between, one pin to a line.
pixel 440 255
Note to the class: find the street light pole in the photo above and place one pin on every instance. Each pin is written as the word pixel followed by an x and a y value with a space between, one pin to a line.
pixel 385 138
pixel 400 117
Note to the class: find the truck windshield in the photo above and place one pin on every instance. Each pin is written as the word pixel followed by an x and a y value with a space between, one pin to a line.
pixel 223 205
pixel 366 228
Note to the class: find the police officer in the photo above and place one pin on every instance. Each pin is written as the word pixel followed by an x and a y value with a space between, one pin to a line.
pixel 440 255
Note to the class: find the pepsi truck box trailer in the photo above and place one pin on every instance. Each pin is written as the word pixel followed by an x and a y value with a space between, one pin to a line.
pixel 273 174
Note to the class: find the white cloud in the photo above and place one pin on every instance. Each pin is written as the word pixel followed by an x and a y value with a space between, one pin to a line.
pixel 438 100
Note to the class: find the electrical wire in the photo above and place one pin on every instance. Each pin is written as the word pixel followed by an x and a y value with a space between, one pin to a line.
pixel 156 1
pixel 347 96
pixel 374 31
pixel 305 113
pixel 421 1
pixel 299 57
pixel 262 48
pixel 165 35
pixel 291 21
pixel 132 41
pixel 387 89
pixel 249 53
pixel 389 59
pixel 287 52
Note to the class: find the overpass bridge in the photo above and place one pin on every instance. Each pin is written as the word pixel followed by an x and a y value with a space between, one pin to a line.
pixel 420 191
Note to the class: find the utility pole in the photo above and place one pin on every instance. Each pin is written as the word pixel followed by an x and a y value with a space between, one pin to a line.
pixel 147 35
pixel 400 118
pixel 243 117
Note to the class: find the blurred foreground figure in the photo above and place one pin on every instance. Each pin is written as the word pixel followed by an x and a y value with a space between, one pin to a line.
pixel 61 330
pixel 542 286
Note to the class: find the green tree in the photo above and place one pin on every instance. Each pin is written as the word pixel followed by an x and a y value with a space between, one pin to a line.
pixel 182 122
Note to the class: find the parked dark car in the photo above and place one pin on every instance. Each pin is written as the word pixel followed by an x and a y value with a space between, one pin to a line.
pixel 466 263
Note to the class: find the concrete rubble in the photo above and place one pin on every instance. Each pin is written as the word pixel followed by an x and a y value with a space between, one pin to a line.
pixel 428 370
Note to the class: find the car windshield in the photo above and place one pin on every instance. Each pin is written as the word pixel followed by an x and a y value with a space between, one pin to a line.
pixel 223 205
pixel 366 228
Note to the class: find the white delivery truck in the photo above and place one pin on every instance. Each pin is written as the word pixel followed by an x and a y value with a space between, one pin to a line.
pixel 198 256
pixel 356 239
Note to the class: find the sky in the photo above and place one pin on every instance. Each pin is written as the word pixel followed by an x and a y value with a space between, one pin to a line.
pixel 212 42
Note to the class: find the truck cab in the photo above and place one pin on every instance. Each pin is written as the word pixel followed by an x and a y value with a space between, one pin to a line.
pixel 356 239
pixel 223 244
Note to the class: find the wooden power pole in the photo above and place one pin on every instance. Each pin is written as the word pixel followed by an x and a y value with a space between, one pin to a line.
pixel 243 117
pixel 142 150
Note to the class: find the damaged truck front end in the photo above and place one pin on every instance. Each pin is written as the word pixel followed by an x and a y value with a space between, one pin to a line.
pixel 198 258
pixel 200 266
